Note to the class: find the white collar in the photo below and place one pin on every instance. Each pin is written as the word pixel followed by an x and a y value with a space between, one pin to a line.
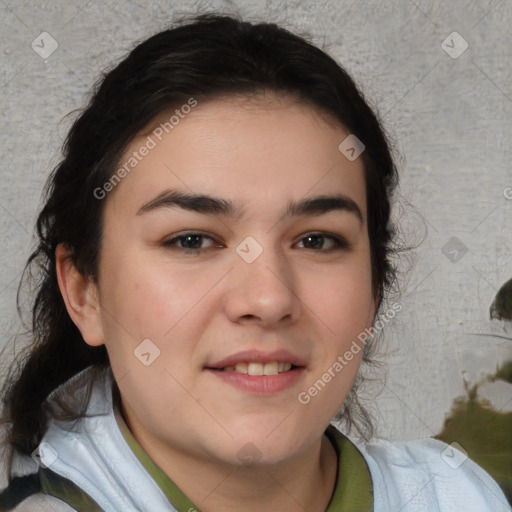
pixel 95 456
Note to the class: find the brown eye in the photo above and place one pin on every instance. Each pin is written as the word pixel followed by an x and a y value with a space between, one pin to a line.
pixel 322 241
pixel 190 242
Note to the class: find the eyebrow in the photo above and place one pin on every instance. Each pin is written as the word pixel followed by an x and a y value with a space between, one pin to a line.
pixel 209 205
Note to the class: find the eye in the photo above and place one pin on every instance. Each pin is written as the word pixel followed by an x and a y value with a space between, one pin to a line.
pixel 318 242
pixel 196 242
pixel 190 242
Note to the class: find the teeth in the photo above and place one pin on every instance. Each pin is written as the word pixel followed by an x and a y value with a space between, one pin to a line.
pixel 272 368
pixel 255 369
pixel 241 368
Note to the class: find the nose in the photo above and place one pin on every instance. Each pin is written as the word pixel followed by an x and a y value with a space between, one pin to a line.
pixel 263 292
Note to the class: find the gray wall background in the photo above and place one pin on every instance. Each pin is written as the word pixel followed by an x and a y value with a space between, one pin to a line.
pixel 451 117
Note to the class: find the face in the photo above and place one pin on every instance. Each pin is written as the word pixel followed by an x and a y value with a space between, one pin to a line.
pixel 236 246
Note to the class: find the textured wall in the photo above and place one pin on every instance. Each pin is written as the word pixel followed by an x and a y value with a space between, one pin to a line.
pixel 449 110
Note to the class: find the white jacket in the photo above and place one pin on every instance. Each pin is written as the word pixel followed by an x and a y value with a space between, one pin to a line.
pixel 412 476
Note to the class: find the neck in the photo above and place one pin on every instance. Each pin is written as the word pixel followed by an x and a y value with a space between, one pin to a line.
pixel 304 482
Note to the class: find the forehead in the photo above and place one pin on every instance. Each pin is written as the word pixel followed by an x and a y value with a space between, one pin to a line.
pixel 258 150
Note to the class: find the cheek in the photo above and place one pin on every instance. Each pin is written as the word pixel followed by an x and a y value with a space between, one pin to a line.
pixel 148 301
pixel 148 298
pixel 342 300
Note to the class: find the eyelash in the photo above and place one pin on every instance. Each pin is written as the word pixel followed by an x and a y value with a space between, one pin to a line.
pixel 339 242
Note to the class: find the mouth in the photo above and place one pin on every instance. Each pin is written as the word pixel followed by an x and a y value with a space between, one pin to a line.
pixel 255 362
pixel 253 368
pixel 259 373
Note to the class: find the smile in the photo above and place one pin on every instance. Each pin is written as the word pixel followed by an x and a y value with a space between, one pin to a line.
pixel 259 373
pixel 272 368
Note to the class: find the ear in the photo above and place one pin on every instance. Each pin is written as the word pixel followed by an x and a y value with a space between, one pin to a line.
pixel 81 297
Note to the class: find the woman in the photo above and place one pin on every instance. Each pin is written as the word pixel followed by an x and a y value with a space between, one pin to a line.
pixel 215 249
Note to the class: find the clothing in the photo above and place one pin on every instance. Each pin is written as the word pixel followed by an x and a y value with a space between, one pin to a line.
pixel 99 466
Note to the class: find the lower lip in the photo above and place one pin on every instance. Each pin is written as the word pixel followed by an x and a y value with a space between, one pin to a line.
pixel 259 384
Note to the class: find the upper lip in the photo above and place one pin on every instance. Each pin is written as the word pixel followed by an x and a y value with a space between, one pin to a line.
pixel 256 356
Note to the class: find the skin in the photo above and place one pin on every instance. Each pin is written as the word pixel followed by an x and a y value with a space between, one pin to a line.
pixel 201 307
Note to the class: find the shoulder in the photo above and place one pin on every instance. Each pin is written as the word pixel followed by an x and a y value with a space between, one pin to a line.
pixel 429 475
pixel 19 483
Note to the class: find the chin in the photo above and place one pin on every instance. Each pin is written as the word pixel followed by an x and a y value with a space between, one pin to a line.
pixel 263 446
